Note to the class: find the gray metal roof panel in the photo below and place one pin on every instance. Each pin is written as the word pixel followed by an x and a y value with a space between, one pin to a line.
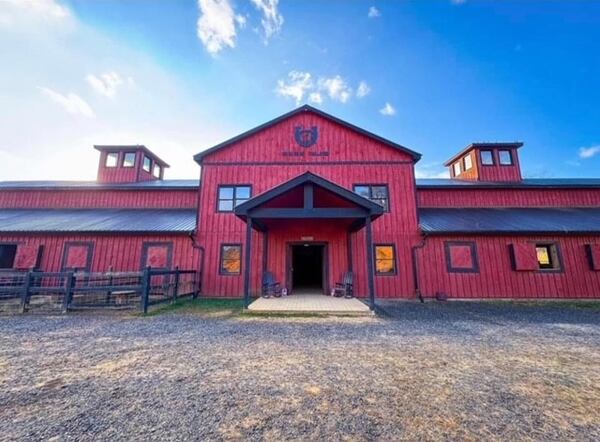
pixel 525 183
pixel 510 220
pixel 97 220
pixel 69 185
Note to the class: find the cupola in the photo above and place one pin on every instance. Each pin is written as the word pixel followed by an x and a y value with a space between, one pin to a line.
pixel 129 164
pixel 485 161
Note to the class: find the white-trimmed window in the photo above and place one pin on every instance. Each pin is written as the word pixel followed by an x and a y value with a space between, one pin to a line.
pixel 468 162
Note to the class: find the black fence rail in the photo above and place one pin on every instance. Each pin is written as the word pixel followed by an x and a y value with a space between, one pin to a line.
pixel 65 291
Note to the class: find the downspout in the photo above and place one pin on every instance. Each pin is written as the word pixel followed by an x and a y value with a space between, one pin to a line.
pixel 415 265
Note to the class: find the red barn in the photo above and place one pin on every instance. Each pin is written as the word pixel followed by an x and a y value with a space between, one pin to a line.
pixel 310 197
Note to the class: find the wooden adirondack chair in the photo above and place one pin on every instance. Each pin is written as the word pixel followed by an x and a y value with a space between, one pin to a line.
pixel 346 287
pixel 270 286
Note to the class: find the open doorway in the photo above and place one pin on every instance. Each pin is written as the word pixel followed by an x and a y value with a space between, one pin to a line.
pixel 307 268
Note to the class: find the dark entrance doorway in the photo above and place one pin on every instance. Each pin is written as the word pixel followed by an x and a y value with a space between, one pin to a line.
pixel 307 270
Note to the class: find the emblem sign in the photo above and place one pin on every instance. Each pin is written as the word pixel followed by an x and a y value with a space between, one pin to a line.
pixel 306 137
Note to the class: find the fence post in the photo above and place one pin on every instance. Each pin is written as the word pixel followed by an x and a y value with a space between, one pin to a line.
pixel 26 292
pixel 176 288
pixel 110 283
pixel 196 283
pixel 146 275
pixel 68 291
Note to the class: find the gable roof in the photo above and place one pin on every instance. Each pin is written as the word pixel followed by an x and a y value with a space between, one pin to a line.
pixel 308 177
pixel 305 108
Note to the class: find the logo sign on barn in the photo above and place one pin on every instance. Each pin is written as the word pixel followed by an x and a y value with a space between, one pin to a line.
pixel 306 137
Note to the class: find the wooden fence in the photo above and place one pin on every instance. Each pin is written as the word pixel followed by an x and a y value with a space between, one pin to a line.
pixel 66 291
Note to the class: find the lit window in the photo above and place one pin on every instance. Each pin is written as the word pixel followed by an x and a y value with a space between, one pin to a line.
pixel 231 259
pixel 461 257
pixel 129 159
pixel 487 158
pixel 147 165
pixel 112 159
pixel 505 157
pixel 377 193
pixel 456 169
pixel 232 196
pixel 468 162
pixel 385 260
pixel 157 170
pixel 7 255
pixel 547 256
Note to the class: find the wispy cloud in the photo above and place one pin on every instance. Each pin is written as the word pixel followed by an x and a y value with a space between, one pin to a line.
pixel 295 86
pixel 388 110
pixel 106 84
pixel 216 27
pixel 373 12
pixel 363 89
pixel 71 102
pixel 48 8
pixel 272 20
pixel 336 88
pixel 589 152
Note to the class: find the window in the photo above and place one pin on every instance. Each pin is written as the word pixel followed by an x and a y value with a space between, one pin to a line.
pixel 547 256
pixel 505 157
pixel 147 165
pixel 129 159
pixel 456 168
pixel 7 255
pixel 376 193
pixel 232 196
pixel 231 259
pixel 385 259
pixel 487 158
pixel 461 257
pixel 468 162
pixel 112 159
pixel 157 170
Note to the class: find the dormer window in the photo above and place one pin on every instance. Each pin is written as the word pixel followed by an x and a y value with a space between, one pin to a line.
pixel 157 170
pixel 487 158
pixel 456 168
pixel 147 165
pixel 129 159
pixel 112 159
pixel 505 157
pixel 468 162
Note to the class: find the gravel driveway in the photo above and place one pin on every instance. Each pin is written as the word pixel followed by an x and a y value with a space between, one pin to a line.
pixel 448 371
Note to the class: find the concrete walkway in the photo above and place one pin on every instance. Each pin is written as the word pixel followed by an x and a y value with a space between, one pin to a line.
pixel 302 303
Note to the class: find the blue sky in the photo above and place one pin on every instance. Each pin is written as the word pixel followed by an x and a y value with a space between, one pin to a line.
pixel 180 76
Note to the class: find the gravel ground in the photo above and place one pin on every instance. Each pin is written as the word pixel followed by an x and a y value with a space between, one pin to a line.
pixel 437 371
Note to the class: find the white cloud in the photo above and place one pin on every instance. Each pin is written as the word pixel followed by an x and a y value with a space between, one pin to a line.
pixel 374 12
pixel 363 89
pixel 71 102
pixel 106 84
pixel 315 97
pixel 47 8
pixel 388 110
pixel 272 20
pixel 216 25
pixel 296 86
pixel 336 88
pixel 589 152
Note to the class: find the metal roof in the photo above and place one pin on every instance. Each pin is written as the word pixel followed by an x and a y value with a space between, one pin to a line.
pixel 98 220
pixel 548 183
pixel 70 185
pixel 510 220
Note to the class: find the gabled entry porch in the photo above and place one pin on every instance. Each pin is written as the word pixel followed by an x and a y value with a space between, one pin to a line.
pixel 307 225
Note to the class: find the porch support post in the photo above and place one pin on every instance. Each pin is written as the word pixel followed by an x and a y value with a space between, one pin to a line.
pixel 247 262
pixel 370 263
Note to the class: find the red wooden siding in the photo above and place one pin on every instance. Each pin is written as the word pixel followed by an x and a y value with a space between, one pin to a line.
pixel 98 198
pixel 499 172
pixel 119 252
pixel 496 277
pixel 594 256
pixel 508 197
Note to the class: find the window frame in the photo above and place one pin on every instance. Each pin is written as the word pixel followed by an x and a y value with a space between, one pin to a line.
pixel 146 245
pixel 155 168
pixel 14 259
pixel 394 259
pixel 465 162
pixel 221 247
pixel 492 156
pixel 510 155
pixel 234 196
pixel 149 169
pixel 455 166
pixel 124 156
pixel 474 257
pixel 110 155
pixel 370 186
pixel 554 255
pixel 65 255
